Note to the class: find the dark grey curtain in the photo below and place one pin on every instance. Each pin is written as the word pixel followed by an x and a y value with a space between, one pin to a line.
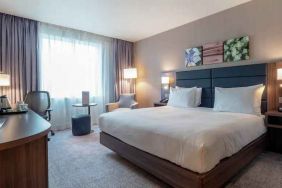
pixel 18 55
pixel 123 58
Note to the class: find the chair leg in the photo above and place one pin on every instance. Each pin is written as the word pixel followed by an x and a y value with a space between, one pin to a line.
pixel 52 132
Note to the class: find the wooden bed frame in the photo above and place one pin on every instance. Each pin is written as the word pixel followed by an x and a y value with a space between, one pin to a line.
pixel 177 176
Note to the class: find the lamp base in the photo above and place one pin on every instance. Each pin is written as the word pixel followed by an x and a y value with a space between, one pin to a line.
pixel 4 103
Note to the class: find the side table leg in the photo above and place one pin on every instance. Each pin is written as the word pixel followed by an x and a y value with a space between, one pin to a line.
pixel 89 113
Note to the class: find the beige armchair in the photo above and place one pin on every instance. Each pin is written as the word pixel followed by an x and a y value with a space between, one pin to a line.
pixel 126 102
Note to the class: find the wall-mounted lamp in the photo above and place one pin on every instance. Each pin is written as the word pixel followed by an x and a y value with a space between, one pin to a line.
pixel 279 75
pixel 279 78
pixel 165 82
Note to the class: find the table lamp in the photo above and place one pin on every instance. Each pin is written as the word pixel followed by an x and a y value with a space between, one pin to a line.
pixel 4 82
pixel 130 74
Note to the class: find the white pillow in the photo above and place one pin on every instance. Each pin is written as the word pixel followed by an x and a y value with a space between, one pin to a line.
pixel 182 98
pixel 198 95
pixel 240 99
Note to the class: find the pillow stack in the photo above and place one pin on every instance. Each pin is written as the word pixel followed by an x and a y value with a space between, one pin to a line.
pixel 185 97
pixel 198 96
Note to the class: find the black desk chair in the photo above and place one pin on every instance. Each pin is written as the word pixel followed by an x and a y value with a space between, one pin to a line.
pixel 39 102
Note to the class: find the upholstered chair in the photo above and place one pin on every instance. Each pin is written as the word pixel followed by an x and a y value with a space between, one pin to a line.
pixel 126 102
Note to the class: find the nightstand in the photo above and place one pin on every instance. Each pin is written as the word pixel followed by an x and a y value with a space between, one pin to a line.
pixel 158 104
pixel 274 127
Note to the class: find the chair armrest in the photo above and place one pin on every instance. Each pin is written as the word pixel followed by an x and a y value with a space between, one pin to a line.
pixel 49 110
pixel 134 105
pixel 111 106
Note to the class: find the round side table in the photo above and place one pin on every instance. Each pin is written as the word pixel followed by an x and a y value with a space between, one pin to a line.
pixel 85 105
pixel 89 109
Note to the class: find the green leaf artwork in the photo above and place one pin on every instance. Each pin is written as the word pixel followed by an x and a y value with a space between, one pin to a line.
pixel 236 49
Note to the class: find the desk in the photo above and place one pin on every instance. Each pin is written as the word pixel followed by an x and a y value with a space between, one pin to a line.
pixel 24 151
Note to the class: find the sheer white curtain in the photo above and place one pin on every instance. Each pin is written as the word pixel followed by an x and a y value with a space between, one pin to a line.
pixel 73 61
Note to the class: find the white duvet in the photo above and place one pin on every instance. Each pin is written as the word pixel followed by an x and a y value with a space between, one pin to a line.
pixel 194 138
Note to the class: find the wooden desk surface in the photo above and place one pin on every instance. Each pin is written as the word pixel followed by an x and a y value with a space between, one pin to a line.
pixel 24 151
pixel 22 128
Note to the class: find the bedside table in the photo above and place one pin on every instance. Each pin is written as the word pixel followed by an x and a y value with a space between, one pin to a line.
pixel 274 127
pixel 158 104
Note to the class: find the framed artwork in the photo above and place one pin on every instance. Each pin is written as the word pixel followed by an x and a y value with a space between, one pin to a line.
pixel 213 53
pixel 236 49
pixel 193 57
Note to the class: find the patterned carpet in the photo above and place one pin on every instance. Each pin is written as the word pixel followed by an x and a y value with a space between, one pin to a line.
pixel 81 162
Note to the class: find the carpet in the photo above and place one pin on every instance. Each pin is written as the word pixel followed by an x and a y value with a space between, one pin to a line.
pixel 81 162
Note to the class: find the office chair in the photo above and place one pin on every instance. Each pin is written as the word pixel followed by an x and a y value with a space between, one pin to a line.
pixel 39 102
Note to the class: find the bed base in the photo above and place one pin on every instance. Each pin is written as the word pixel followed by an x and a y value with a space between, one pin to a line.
pixel 177 176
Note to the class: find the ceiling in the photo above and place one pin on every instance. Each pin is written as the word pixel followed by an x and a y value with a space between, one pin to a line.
pixel 130 20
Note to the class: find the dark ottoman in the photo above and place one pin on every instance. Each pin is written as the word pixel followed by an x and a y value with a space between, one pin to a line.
pixel 81 125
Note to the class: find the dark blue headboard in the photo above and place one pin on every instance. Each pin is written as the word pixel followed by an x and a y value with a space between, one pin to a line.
pixel 199 78
pixel 237 76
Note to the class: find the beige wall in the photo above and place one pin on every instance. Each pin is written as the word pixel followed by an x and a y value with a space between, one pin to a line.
pixel 260 19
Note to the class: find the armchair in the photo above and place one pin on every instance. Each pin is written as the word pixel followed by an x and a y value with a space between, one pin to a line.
pixel 126 102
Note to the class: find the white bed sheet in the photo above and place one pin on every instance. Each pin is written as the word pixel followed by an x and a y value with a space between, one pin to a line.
pixel 194 138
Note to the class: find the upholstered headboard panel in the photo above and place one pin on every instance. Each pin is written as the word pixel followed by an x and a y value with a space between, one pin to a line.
pixel 238 76
pixel 199 78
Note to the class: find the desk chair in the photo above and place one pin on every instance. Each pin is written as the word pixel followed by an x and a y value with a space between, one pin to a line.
pixel 39 102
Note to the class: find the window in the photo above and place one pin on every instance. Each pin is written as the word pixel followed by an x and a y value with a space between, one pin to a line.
pixel 69 67
pixel 73 61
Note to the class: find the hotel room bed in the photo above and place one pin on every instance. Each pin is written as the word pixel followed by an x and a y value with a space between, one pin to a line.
pixel 192 147
pixel 193 138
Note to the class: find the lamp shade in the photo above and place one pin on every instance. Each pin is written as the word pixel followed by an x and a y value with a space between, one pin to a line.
pixel 279 74
pixel 4 80
pixel 130 73
pixel 165 80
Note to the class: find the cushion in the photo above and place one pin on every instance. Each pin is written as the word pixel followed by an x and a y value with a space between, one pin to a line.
pixel 240 99
pixel 126 100
pixel 182 97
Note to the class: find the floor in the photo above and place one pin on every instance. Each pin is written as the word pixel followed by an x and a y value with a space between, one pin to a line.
pixel 81 162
